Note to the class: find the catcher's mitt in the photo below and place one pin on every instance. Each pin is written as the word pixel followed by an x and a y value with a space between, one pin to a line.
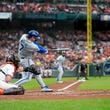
pixel 33 69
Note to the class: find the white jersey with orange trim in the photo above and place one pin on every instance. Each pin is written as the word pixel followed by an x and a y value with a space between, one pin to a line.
pixel 6 69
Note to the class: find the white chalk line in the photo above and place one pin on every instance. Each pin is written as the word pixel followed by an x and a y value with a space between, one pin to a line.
pixel 70 85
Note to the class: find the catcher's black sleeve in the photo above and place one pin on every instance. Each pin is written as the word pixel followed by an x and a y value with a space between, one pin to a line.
pixel 33 69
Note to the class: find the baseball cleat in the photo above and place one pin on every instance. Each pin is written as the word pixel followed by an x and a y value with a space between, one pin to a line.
pixel 46 89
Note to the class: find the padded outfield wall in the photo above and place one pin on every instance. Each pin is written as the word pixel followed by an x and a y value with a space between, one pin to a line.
pixel 104 70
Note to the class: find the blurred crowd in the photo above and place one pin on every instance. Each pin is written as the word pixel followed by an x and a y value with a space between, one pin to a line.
pixel 35 7
pixel 74 41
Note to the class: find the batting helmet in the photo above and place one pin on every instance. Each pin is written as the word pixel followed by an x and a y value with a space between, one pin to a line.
pixel 34 33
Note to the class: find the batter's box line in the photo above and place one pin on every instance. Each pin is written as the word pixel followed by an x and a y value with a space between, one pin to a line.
pixel 70 85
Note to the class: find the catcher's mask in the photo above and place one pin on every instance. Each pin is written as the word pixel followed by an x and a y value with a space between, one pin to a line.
pixel 13 58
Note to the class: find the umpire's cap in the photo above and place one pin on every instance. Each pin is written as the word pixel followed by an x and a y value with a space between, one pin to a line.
pixel 34 33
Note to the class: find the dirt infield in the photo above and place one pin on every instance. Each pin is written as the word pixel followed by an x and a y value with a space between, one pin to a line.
pixel 69 93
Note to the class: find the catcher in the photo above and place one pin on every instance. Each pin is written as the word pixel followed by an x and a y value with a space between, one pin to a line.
pixel 7 72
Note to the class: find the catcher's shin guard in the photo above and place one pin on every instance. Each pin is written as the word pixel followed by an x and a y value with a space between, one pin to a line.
pixel 14 91
pixel 1 91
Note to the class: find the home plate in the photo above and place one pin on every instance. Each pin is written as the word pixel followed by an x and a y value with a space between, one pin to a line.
pixel 59 92
pixel 66 92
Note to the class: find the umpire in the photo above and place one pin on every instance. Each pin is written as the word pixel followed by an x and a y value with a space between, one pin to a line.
pixel 82 69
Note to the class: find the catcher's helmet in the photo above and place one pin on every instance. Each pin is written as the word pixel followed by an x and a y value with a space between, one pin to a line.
pixel 12 58
pixel 34 33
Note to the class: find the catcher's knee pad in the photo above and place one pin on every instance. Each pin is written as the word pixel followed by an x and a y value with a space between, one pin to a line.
pixel 14 91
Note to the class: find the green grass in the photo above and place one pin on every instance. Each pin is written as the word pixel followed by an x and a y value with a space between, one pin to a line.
pixel 82 104
pixel 33 84
pixel 96 83
pixel 93 83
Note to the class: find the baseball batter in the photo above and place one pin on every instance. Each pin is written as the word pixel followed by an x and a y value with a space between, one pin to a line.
pixel 27 47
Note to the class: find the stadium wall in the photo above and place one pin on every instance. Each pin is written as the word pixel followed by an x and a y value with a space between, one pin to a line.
pixel 104 70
